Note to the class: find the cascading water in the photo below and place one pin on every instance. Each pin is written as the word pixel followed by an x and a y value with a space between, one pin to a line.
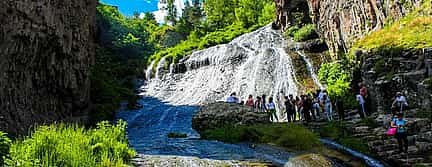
pixel 311 69
pixel 149 71
pixel 253 64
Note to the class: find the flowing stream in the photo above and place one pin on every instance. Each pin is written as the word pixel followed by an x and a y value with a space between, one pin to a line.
pixel 147 133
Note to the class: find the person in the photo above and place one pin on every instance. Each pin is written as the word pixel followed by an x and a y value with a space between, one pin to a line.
pixel 293 102
pixel 250 101
pixel 364 93
pixel 339 108
pixel 361 108
pixel 258 104
pixel 399 104
pixel 298 107
pixel 271 110
pixel 321 95
pixel 316 108
pixel 290 108
pixel 401 132
pixel 307 104
pixel 232 98
pixel 263 103
pixel 327 107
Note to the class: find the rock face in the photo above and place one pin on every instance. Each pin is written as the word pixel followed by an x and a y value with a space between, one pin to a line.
pixel 404 72
pixel 341 22
pixel 220 114
pixel 46 49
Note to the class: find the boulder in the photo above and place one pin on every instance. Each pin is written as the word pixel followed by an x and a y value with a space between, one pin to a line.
pixel 221 114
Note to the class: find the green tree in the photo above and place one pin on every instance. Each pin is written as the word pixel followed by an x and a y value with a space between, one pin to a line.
pixel 219 13
pixel 172 13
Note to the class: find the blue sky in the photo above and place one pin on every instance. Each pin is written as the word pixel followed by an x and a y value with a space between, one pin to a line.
pixel 128 7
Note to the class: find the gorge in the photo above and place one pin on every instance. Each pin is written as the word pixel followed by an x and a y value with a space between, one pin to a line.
pixel 66 68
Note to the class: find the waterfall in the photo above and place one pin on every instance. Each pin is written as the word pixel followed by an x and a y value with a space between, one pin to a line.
pixel 252 64
pixel 311 69
pixel 149 71
pixel 160 68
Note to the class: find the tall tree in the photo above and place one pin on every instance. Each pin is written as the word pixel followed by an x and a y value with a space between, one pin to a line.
pixel 171 18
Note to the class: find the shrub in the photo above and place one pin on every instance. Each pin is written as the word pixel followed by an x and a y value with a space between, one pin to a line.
pixel 305 33
pixel 5 143
pixel 291 136
pixel 72 145
pixel 338 79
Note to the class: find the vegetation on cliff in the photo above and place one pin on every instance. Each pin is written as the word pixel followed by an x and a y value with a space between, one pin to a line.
pixel 71 145
pixel 412 32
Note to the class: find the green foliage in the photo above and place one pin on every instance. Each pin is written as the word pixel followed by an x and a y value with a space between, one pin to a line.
pixel 5 143
pixel 292 136
pixel 72 145
pixel 337 77
pixel 291 31
pixel 176 135
pixel 172 12
pixel 409 33
pixel 301 34
pixel 305 33
pixel 112 81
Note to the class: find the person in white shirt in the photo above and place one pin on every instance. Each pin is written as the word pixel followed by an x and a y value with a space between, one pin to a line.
pixel 271 110
pixel 399 104
pixel 232 98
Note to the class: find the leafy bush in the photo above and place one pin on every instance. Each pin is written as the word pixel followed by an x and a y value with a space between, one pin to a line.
pixel 287 135
pixel 305 33
pixel 291 31
pixel 72 145
pixel 338 79
pixel 5 143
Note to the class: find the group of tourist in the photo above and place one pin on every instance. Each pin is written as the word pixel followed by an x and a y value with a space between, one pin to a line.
pixel 303 108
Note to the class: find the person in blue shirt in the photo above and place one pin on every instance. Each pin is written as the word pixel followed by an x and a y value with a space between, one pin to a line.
pixel 401 132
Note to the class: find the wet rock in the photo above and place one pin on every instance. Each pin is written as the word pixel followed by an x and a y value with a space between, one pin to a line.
pixel 47 48
pixel 221 114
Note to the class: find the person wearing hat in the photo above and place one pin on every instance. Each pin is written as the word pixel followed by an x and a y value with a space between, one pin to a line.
pixel 401 132
pixel 399 104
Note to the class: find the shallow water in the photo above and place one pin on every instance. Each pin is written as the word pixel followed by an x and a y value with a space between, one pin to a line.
pixel 148 128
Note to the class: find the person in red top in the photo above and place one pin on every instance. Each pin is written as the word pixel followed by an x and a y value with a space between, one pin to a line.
pixel 364 94
pixel 250 101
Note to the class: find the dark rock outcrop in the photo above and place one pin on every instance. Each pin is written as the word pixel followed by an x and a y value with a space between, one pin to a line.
pixel 46 50
pixel 221 114
pixel 407 72
pixel 341 22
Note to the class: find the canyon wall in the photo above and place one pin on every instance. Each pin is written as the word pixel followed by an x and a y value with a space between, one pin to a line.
pixel 341 22
pixel 46 51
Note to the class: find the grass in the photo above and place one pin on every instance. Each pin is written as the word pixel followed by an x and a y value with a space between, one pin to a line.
pixel 176 135
pixel 5 143
pixel 73 145
pixel 301 34
pixel 412 32
pixel 291 136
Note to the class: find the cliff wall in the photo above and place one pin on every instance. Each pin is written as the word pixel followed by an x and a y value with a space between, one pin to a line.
pixel 46 50
pixel 341 22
